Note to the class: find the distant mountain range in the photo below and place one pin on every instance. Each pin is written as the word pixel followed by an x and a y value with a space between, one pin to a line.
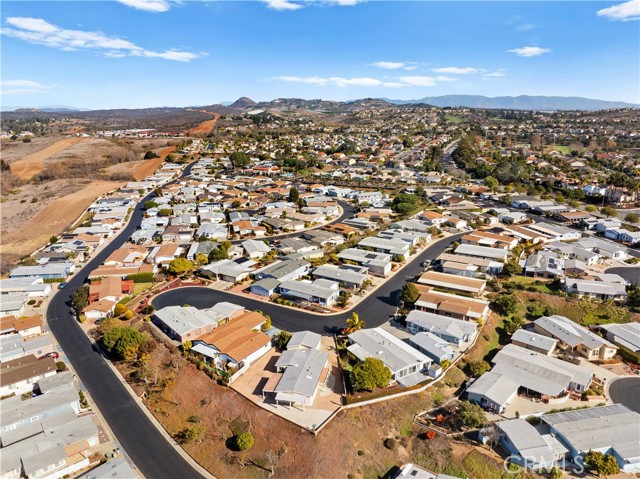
pixel 522 102
pixel 48 109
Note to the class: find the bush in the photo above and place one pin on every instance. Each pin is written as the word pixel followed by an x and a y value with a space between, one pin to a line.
pixel 61 366
pixel 369 374
pixel 471 415
pixel 148 309
pixel 128 314
pixel 266 325
pixel 119 310
pixel 281 339
pixel 244 441
pixel 390 443
pixel 141 277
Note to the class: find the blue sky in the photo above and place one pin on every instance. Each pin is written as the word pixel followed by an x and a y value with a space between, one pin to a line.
pixel 143 53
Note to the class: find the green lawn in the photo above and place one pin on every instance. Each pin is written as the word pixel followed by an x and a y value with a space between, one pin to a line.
pixel 538 284
pixel 139 288
pixel 565 150
pixel 454 119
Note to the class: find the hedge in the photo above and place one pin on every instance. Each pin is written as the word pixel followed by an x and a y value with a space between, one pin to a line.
pixel 140 277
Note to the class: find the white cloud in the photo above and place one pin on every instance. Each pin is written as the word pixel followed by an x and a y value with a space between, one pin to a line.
pixel 456 70
pixel 23 87
pixel 445 78
pixel 155 6
pixel 344 3
pixel 525 27
pixel 500 72
pixel 41 32
pixel 530 51
pixel 418 81
pixel 390 65
pixel 623 12
pixel 281 5
pixel 393 84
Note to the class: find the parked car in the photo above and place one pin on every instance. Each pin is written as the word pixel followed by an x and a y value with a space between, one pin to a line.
pixel 53 355
pixel 62 285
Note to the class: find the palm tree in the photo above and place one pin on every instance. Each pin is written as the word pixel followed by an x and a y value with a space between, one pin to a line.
pixel 354 323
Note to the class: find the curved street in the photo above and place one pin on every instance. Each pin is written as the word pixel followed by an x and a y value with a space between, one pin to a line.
pixel 375 310
pixel 144 444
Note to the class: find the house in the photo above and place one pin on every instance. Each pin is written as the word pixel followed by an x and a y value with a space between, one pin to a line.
pixel 540 374
pixel 186 323
pixel 228 270
pixel 265 287
pixel 285 270
pixel 45 271
pixel 452 305
pixel 468 266
pixel 433 218
pixel 378 264
pixel 492 391
pixel 14 346
pixel 534 341
pixel 416 472
pixel 212 231
pixel 323 238
pixel 436 348
pixel 111 288
pixel 528 447
pixel 349 277
pixel 572 217
pixel 295 245
pixel 18 376
pixel 488 239
pixel 177 234
pixel 407 364
pixel 575 338
pixel 201 247
pixel 482 252
pixel 320 291
pixel 570 435
pixel 164 254
pixel 625 336
pixel 544 264
pixel 595 289
pixel 454 331
pixel 25 327
pixel 513 217
pixel 236 344
pixel 304 340
pixel 13 304
pixel 255 249
pixel 603 248
pixel 99 309
pixel 117 468
pixel 552 232
pixel 33 287
pixel 127 255
pixel 300 374
pixel 453 283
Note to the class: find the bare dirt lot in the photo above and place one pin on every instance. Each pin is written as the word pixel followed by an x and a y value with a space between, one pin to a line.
pixel 180 395
pixel 30 165
pixel 206 126
pixel 21 235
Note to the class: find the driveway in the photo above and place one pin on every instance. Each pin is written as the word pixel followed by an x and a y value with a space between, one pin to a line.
pixel 626 391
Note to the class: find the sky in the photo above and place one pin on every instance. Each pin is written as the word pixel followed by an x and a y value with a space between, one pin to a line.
pixel 149 53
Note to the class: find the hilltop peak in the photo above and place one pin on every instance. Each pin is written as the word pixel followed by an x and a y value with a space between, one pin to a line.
pixel 243 103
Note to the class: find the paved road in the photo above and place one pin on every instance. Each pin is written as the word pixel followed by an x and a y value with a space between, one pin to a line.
pixel 627 392
pixel 144 444
pixel 631 274
pixel 376 309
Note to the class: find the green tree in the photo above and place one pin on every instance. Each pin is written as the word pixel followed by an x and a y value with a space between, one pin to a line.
pixel 80 298
pixel 505 304
pixel 370 374
pixel 471 415
pixel 53 240
pixel 478 368
pixel 244 441
pixel 281 339
pixel 633 297
pixel 220 253
pixel 491 183
pixel 608 211
pixel 410 293
pixel 510 268
pixel 201 259
pixel 165 212
pixel 511 325
pixel 149 155
pixel 239 159
pixel 180 265
pixel 591 208
pixel 602 464
pixel 355 323
pixel 294 195
pixel 632 218
pixel 119 309
pixel 149 204
pixel 123 343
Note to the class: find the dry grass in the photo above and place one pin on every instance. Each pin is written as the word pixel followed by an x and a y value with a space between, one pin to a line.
pixel 351 444
pixel 51 220
pixel 147 167
pixel 29 166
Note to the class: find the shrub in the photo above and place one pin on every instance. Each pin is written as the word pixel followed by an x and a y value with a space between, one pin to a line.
pixel 61 366
pixel 141 277
pixel 369 374
pixel 148 309
pixel 244 441
pixel 390 443
pixel 119 310
pixel 128 314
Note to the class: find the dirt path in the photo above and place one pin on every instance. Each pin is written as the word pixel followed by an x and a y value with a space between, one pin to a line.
pixel 147 167
pixel 52 220
pixel 29 166
pixel 206 126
